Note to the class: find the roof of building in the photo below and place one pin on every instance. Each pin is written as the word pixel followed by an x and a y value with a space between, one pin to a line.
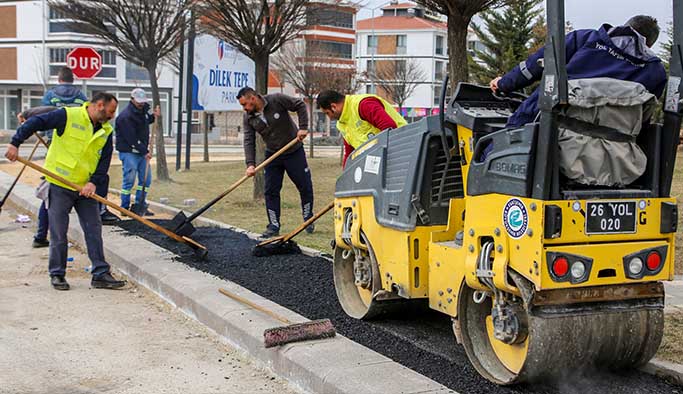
pixel 399 23
pixel 273 79
pixel 400 6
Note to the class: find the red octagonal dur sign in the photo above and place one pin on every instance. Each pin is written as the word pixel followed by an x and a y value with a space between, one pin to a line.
pixel 84 62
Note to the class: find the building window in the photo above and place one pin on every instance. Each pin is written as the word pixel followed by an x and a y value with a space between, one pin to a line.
pixel 58 60
pixel 372 44
pixel 135 73
pixel 401 44
pixel 59 23
pixel 439 70
pixel 328 17
pixel 329 49
pixel 439 45
pixel 437 95
pixel 370 89
pixel 370 69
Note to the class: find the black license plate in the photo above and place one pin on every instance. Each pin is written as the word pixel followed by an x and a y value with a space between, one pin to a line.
pixel 611 217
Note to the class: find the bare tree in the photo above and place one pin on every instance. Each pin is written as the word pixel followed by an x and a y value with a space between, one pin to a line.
pixel 143 31
pixel 310 69
pixel 257 28
pixel 459 13
pixel 397 78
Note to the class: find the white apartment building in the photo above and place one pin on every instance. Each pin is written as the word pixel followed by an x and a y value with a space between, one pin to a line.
pixel 34 42
pixel 406 32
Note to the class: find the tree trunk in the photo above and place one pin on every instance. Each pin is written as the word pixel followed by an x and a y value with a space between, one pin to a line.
pixel 261 64
pixel 457 47
pixel 162 167
pixel 310 127
pixel 206 138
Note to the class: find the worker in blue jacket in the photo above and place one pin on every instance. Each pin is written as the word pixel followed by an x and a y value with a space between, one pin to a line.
pixel 132 143
pixel 621 52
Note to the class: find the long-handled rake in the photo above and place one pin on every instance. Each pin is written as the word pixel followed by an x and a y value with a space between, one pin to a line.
pixel 198 248
pixel 292 332
pixel 284 244
pixel 182 225
pixel 21 172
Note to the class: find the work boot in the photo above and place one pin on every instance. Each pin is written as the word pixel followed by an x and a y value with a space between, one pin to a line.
pixel 106 281
pixel 109 218
pixel 148 212
pixel 40 243
pixel 271 231
pixel 59 283
pixel 310 228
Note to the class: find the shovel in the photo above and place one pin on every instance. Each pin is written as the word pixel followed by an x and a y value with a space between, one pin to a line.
pixel 182 225
pixel 198 248
pixel 282 244
pixel 140 206
pixel 292 332
pixel 21 172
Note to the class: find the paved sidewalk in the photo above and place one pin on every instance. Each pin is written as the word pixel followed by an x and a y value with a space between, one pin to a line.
pixel 674 295
pixel 96 341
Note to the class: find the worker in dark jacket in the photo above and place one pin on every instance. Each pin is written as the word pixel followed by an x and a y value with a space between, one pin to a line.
pixel 621 52
pixel 269 116
pixel 132 143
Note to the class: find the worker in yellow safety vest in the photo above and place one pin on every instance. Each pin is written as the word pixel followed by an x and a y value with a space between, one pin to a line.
pixel 359 116
pixel 80 152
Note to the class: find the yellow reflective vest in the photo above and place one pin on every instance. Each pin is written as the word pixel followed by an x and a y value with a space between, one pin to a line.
pixel 356 130
pixel 74 155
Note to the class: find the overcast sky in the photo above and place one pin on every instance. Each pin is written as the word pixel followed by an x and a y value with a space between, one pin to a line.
pixel 590 14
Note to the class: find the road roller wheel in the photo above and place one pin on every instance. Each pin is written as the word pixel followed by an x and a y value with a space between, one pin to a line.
pixel 551 342
pixel 356 280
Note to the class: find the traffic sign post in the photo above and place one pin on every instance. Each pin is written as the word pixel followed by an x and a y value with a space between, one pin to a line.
pixel 85 63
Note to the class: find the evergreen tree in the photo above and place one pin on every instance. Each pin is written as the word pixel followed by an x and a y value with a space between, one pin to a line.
pixel 665 54
pixel 507 35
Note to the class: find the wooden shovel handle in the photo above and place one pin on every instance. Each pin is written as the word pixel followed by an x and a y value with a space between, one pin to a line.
pixel 106 202
pixel 301 227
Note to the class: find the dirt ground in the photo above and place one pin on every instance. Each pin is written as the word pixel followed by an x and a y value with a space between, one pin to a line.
pixel 671 348
pixel 95 341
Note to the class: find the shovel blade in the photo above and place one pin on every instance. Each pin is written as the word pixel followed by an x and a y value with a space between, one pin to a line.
pixel 178 220
pixel 138 209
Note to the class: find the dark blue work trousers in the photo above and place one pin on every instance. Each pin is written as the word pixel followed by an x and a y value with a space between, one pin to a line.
pixel 296 166
pixel 60 203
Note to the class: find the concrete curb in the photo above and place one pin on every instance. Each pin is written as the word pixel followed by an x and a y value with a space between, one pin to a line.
pixel 667 370
pixel 336 365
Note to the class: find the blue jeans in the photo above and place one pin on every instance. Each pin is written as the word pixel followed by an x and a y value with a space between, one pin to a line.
pixel 134 164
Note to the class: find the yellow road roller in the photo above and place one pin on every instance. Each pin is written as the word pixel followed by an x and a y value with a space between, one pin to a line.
pixel 542 271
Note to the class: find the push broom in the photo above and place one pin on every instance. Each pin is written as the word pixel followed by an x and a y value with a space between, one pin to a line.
pixel 291 332
pixel 198 248
pixel 182 225
pixel 21 172
pixel 284 244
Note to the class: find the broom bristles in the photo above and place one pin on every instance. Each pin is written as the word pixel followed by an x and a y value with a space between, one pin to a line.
pixel 316 329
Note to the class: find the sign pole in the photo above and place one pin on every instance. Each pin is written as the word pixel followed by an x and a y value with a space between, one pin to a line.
pixel 188 90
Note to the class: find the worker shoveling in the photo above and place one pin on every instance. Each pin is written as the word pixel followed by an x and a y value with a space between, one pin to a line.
pixel 292 332
pixel 182 225
pixel 284 244
pixel 198 248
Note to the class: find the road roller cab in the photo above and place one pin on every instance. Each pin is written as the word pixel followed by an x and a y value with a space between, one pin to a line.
pixel 540 273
